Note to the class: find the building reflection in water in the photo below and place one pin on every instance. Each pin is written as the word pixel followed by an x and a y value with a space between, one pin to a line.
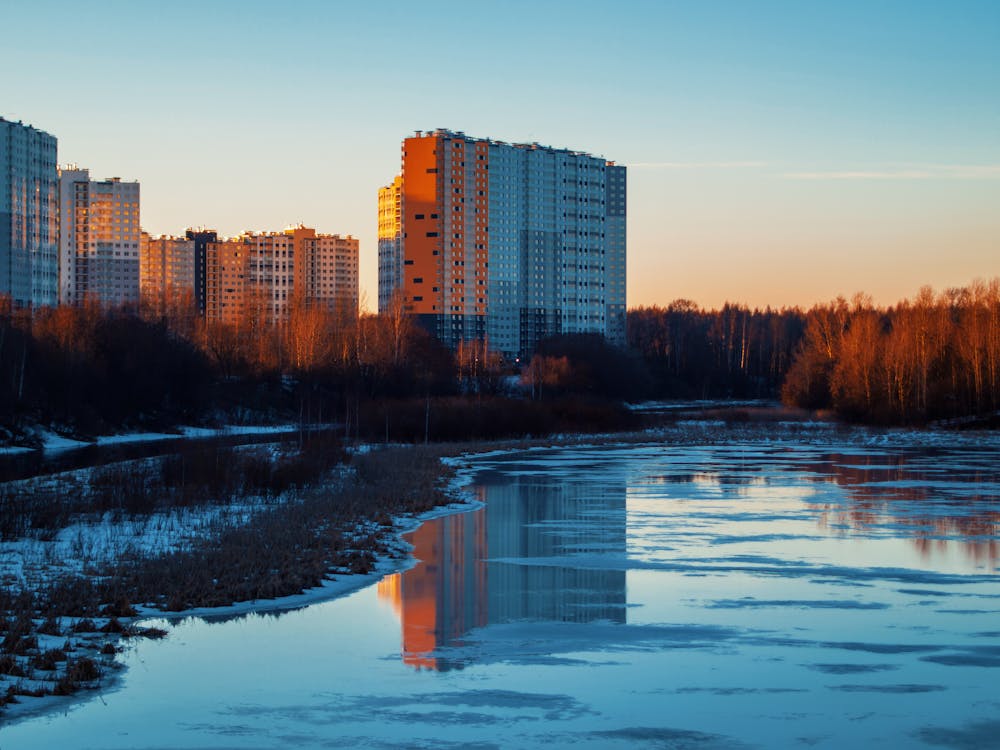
pixel 939 500
pixel 511 560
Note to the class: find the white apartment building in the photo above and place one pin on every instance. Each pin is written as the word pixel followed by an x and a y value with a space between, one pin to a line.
pixel 99 237
pixel 29 259
pixel 266 271
pixel 330 271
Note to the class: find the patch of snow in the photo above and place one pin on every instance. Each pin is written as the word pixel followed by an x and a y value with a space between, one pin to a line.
pixel 51 442
pixel 333 587
pixel 14 450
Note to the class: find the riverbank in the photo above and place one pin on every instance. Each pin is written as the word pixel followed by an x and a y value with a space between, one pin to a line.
pixel 295 528
pixel 336 536
pixel 101 639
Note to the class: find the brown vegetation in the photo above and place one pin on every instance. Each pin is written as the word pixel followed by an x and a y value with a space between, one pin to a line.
pixel 325 525
pixel 933 357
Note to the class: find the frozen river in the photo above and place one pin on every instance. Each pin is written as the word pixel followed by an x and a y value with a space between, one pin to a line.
pixel 768 594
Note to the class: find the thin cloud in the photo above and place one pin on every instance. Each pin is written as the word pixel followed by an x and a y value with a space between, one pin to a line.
pixel 974 171
pixel 923 172
pixel 696 164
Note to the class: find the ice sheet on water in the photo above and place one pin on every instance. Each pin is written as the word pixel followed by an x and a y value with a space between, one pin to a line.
pixel 645 591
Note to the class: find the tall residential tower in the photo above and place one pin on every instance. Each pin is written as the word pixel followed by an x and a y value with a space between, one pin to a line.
pixel 261 274
pixel 29 229
pixel 99 239
pixel 507 243
pixel 166 272
pixel 390 243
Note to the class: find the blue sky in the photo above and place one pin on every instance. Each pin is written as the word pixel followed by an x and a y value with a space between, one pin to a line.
pixel 780 152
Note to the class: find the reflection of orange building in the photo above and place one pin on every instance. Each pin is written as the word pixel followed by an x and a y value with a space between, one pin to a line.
pixel 469 574
pixel 443 596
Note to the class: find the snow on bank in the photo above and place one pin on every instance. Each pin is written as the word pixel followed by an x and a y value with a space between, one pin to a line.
pixel 14 450
pixel 52 443
pixel 55 443
pixel 85 544
pixel 338 584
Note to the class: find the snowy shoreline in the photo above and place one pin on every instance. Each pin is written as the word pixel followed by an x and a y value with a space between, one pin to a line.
pixel 52 442
pixel 399 558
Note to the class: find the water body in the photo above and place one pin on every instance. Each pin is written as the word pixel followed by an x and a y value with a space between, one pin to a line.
pixel 753 595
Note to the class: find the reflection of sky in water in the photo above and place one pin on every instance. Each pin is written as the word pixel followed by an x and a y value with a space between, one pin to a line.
pixel 742 596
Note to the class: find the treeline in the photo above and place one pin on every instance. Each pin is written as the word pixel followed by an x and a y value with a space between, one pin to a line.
pixel 84 369
pixel 90 370
pixel 930 358
pixel 734 352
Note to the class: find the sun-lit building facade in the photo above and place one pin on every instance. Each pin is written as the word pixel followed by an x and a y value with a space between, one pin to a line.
pixel 29 229
pixel 166 271
pixel 226 270
pixel 390 243
pixel 505 243
pixel 329 271
pixel 99 237
pixel 264 273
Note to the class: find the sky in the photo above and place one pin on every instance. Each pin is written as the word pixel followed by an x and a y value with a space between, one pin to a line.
pixel 779 153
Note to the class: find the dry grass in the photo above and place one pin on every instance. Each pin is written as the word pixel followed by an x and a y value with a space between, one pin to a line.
pixel 325 526
pixel 295 545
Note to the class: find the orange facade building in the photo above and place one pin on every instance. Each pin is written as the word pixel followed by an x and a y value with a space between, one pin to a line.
pixel 503 243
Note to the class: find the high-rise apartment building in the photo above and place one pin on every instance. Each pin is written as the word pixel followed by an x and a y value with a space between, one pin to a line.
pixel 390 243
pixel 329 271
pixel 98 239
pixel 263 273
pixel 29 229
pixel 166 271
pixel 507 243
pixel 201 238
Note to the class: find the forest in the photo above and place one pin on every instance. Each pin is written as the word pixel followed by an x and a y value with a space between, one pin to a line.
pixel 934 357
pixel 930 358
pixel 734 352
pixel 86 369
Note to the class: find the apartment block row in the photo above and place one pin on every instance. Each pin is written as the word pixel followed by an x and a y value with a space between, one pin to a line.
pixel 483 240
pixel 478 240
pixel 66 238
pixel 264 274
